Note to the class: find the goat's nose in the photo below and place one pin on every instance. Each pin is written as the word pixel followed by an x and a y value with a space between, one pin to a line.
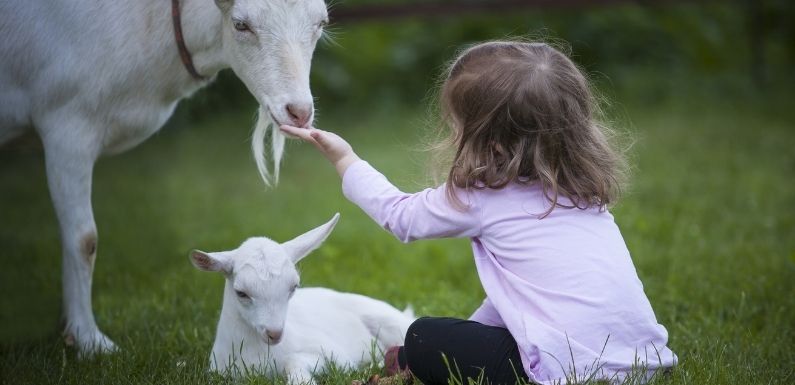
pixel 274 335
pixel 299 113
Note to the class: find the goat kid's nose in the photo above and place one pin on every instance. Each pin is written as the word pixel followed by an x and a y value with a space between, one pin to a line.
pixel 299 113
pixel 274 336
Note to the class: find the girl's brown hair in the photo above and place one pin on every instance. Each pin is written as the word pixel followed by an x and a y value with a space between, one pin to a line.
pixel 523 112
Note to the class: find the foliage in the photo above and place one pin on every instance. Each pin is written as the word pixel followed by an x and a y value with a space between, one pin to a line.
pixel 400 60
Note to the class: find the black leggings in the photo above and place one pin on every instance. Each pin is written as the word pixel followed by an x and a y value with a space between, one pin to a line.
pixel 471 349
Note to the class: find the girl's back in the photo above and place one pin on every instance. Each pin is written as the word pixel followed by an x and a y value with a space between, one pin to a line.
pixel 569 278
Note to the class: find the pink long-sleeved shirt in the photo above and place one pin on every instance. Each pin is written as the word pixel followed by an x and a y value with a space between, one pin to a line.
pixel 564 286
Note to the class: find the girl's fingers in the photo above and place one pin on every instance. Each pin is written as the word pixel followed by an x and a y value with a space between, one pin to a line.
pixel 318 136
pixel 302 133
pixel 317 145
pixel 325 139
pixel 307 134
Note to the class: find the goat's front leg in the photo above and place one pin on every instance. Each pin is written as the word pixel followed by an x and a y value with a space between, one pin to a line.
pixel 70 162
pixel 299 369
pixel 300 377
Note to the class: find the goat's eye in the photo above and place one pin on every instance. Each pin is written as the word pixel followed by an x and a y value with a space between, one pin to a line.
pixel 292 290
pixel 241 294
pixel 241 26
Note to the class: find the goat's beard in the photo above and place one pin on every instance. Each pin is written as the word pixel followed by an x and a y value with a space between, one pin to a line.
pixel 264 122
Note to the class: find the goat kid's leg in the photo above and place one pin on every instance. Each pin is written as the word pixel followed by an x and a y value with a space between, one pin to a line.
pixel 300 377
pixel 70 164
pixel 298 369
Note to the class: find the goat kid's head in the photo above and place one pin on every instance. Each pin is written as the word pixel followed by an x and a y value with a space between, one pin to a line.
pixel 261 277
pixel 269 45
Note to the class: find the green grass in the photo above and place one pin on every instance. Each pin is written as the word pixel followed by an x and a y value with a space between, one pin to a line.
pixel 708 219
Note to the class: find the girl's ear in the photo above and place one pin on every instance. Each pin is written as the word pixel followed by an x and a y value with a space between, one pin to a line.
pixel 302 245
pixel 211 261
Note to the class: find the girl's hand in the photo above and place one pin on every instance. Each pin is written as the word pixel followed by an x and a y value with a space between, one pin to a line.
pixel 331 145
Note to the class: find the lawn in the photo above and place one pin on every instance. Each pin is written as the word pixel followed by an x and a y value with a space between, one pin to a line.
pixel 708 218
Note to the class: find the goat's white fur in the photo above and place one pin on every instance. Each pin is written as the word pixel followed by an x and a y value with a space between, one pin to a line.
pixel 99 77
pixel 319 325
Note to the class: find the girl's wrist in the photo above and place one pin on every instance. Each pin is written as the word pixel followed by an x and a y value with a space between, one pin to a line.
pixel 346 161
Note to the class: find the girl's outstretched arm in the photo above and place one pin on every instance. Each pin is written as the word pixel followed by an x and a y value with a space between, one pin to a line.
pixel 426 214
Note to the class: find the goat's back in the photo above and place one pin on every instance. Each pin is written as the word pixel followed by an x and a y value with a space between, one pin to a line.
pixel 114 59
pixel 345 325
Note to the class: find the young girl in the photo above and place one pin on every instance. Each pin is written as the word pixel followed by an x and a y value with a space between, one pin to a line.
pixel 529 184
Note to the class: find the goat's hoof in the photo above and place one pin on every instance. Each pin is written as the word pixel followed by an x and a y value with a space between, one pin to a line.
pixel 397 379
pixel 91 344
pixel 373 380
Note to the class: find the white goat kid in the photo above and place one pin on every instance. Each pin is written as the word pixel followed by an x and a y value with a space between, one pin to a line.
pixel 99 77
pixel 257 330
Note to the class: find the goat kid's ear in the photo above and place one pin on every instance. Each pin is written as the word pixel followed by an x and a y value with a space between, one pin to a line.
pixel 302 245
pixel 210 261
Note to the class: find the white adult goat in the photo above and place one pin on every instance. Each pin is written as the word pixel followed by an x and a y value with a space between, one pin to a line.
pixel 99 77
pixel 257 330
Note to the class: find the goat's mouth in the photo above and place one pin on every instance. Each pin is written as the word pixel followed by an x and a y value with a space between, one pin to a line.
pixel 273 118
pixel 277 123
pixel 271 337
pixel 272 341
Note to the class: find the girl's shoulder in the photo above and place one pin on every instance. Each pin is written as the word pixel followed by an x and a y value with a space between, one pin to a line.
pixel 514 190
pixel 512 195
pixel 528 198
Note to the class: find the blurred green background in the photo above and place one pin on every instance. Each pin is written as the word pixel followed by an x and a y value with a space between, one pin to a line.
pixel 702 89
pixel 649 50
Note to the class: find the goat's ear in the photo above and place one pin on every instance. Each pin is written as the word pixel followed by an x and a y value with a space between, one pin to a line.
pixel 302 245
pixel 210 261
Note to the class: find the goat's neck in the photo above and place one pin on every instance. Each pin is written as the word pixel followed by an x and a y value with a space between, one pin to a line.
pixel 161 63
pixel 201 28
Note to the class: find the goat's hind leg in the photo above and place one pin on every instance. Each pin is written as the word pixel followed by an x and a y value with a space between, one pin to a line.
pixel 70 161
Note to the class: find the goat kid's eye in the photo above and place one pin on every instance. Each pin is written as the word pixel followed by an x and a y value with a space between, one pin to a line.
pixel 241 294
pixel 241 26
